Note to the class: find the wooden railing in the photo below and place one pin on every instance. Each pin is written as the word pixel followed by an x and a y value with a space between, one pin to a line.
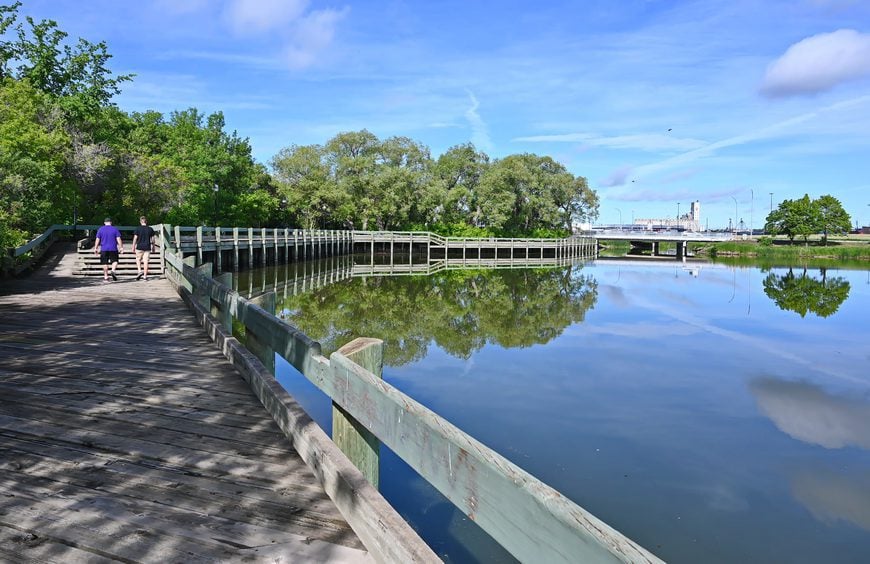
pixel 19 259
pixel 531 520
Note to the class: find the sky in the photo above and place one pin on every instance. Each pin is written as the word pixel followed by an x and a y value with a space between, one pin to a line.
pixel 657 103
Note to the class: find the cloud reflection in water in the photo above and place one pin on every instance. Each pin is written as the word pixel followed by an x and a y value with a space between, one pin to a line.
pixel 808 413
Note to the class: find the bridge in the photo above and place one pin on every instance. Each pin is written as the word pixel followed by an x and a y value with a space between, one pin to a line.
pixel 141 421
pixel 653 238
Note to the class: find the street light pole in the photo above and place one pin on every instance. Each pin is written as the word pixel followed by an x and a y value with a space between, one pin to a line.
pixel 678 215
pixel 771 202
pixel 620 218
pixel 735 211
pixel 751 211
pixel 214 217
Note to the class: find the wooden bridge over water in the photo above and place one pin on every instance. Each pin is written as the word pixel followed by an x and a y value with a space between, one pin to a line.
pixel 134 430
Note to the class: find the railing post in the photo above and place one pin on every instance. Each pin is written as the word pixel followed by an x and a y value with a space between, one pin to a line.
pixel 199 292
pixel 217 249
pixel 191 262
pixel 259 344
pixel 354 440
pixel 163 231
pixel 264 244
pixel 235 248
pixel 223 314
pixel 178 250
pixel 199 245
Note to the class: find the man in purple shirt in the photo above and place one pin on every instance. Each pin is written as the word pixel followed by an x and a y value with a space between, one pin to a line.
pixel 109 245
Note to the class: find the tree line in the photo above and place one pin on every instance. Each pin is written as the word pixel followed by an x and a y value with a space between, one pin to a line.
pixel 65 147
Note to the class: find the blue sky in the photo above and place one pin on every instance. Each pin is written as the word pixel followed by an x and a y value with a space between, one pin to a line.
pixel 657 103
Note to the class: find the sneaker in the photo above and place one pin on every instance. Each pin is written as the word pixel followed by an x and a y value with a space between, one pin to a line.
pixel 146 279
pixel 114 276
pixel 139 277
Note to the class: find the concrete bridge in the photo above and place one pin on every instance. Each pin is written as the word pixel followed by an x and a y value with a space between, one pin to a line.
pixel 653 238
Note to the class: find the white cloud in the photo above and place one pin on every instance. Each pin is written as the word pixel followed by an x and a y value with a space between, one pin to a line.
pixel 644 142
pixel 479 131
pixel 818 63
pixel 310 35
pixel 252 17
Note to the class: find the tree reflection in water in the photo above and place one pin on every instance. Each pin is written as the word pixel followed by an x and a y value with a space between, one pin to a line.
pixel 804 293
pixel 460 310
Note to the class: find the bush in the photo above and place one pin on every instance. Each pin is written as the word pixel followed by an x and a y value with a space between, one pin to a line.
pixel 765 241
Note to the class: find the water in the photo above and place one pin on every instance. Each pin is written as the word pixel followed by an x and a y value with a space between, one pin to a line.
pixel 711 413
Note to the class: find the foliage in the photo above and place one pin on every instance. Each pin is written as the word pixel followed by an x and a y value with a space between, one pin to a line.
pixel 832 218
pixel 357 180
pixel 804 293
pixel 460 311
pixel 804 217
pixel 34 190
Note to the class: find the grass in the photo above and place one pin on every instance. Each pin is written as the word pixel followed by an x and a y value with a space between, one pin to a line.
pixel 851 248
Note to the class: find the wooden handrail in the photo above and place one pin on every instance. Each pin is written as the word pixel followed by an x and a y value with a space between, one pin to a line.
pixel 528 518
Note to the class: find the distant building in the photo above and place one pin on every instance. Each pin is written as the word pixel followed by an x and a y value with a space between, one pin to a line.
pixel 690 221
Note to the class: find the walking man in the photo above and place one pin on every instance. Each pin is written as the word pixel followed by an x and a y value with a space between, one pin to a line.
pixel 109 245
pixel 143 244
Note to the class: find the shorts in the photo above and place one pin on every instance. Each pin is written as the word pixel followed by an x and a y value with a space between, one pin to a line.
pixel 143 254
pixel 108 257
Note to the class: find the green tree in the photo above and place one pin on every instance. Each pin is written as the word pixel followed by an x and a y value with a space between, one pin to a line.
pixel 455 186
pixel 793 218
pixel 34 190
pixel 832 217
pixel 76 74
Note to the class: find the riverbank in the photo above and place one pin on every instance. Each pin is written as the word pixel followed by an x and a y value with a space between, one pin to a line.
pixel 847 248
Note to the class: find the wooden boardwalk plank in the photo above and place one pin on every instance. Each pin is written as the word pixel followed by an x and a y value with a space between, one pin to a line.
pixel 126 436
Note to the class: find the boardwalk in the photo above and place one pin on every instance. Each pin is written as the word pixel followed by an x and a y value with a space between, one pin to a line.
pixel 126 436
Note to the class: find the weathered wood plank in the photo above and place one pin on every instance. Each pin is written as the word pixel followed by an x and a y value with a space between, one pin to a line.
pixel 124 435
pixel 383 532
pixel 357 442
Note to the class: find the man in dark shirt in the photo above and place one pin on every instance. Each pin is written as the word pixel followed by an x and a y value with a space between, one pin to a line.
pixel 109 245
pixel 143 243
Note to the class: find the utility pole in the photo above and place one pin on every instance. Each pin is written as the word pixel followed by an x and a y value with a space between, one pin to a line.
pixel 735 210
pixel 751 211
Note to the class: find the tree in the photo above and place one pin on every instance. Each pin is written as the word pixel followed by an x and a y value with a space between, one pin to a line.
pixel 34 190
pixel 832 217
pixel 793 218
pixel 77 74
pixel 456 179
pixel 803 217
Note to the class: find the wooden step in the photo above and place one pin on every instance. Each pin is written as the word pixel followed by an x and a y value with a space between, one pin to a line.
pixel 88 264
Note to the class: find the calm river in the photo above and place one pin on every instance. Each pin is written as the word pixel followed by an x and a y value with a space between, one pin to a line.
pixel 711 413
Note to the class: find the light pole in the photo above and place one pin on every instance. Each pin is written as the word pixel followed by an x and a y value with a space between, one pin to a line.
pixel 620 217
pixel 771 202
pixel 678 215
pixel 284 211
pixel 735 210
pixel 751 211
pixel 214 217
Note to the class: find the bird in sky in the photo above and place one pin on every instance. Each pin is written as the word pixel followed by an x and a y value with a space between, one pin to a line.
pixel 669 129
